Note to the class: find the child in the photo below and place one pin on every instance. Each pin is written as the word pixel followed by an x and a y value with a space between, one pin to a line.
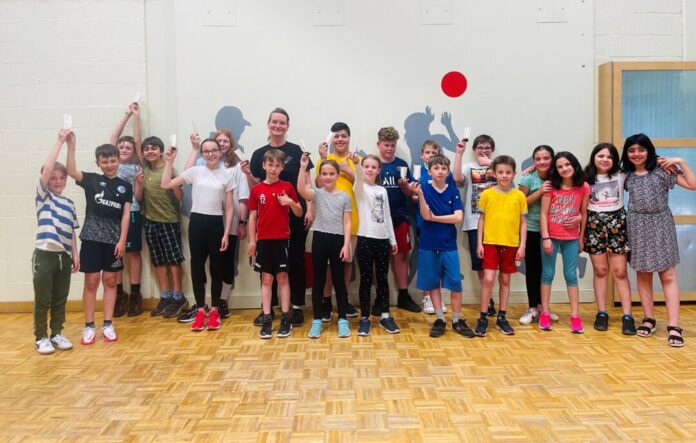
pixel 395 177
pixel 438 262
pixel 502 231
pixel 605 235
pixel 563 217
pixel 269 220
pixel 651 231
pixel 209 225
pixel 375 241
pixel 55 255
pixel 330 239
pixel 130 158
pixel 478 176
pixel 107 216
pixel 162 229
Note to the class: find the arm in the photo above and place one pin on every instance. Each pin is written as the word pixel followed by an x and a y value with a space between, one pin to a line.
pixel 346 169
pixel 252 233
pixel 536 195
pixel 345 250
pixel 304 187
pixel 243 216
pixel 457 175
pixel 583 219
pixel 137 135
pixel 686 179
pixel 521 251
pixel 70 163
pixel 544 225
pixel 193 155
pixel 120 126
pixel 53 156
pixel 138 184
pixel 120 248
pixel 296 208
pixel 453 218
pixel 75 254
pixel 167 181
pixel 479 235
pixel 229 214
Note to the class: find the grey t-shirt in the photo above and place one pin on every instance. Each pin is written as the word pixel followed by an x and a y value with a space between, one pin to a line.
pixel 328 211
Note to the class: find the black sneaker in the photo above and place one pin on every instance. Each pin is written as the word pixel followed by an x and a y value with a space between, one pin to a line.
pixel 285 329
pixel 407 303
pixel 266 327
pixel 491 309
pixel 174 307
pixel 481 327
pixel 326 310
pixel 504 326
pixel 389 325
pixel 351 312
pixel 438 328
pixel 376 311
pixel 297 317
pixel 223 310
pixel 120 306
pixel 258 321
pixel 188 316
pixel 135 304
pixel 628 325
pixel 460 327
pixel 161 306
pixel 601 322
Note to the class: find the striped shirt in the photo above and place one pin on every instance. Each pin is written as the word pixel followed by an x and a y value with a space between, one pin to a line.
pixel 57 219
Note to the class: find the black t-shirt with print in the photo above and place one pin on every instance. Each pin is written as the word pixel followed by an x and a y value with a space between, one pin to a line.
pixel 105 199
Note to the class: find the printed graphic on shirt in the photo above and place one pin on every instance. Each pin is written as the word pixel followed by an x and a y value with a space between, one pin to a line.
pixel 482 178
pixel 605 194
pixel 378 209
pixel 562 208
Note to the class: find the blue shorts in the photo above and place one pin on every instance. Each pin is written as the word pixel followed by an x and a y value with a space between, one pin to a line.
pixel 438 268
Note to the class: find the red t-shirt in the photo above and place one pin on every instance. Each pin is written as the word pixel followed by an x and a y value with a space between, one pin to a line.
pixel 273 221
pixel 565 203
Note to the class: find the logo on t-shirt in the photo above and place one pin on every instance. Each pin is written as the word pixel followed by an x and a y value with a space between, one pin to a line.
pixel 100 200
pixel 262 199
pixel 378 209
pixel 121 189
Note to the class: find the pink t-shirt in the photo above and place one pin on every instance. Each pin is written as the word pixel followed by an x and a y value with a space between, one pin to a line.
pixel 565 203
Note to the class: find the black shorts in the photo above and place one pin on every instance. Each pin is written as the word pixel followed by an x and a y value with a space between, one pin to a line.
pixel 97 257
pixel 271 256
pixel 134 240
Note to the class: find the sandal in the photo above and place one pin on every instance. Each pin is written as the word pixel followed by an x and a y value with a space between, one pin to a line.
pixel 674 340
pixel 645 331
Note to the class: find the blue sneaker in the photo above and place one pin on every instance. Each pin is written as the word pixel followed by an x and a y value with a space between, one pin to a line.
pixel 389 325
pixel 343 328
pixel 315 329
pixel 364 327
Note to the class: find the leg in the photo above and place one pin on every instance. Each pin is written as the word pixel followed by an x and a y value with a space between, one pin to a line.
pixel 364 255
pixel 199 255
pixel 380 256
pixel 266 282
pixel 617 265
pixel 176 277
pixel 670 286
pixel 504 291
pixel 320 259
pixel 296 268
pixel 109 282
pixel 487 283
pixel 135 265
pixel 283 291
pixel 61 288
pixel 89 295
pixel 400 268
pixel 532 260
pixel 337 268
pixel 569 254
pixel 163 278
pixel 645 291
pixel 600 264
pixel 548 270
pixel 216 261
pixel 42 267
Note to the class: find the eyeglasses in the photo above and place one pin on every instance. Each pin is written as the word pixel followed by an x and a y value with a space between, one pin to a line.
pixel 483 148
pixel 210 151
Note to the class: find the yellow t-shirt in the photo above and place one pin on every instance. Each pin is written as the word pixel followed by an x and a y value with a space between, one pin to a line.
pixel 344 184
pixel 503 213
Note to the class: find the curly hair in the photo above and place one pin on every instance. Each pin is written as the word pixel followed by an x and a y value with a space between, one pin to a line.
pixel 388 134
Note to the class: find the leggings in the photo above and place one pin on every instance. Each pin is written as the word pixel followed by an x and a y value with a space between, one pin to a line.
pixel 296 264
pixel 229 260
pixel 532 261
pixel 373 254
pixel 205 233
pixel 569 252
pixel 327 248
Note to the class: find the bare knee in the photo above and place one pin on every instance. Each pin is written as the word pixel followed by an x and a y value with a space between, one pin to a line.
pixel 282 278
pixel 109 279
pixel 267 279
pixel 92 282
pixel 601 271
pixel 619 274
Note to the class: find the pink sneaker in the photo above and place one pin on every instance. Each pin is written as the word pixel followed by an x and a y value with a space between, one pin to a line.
pixel 213 320
pixel 199 322
pixel 545 321
pixel 576 324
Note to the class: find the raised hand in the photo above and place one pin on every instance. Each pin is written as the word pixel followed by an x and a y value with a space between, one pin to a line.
pixel 323 151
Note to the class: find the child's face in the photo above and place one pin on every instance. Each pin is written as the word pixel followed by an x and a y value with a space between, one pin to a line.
pixel 273 168
pixel 125 151
pixel 387 149
pixel 565 168
pixel 341 142
pixel 603 161
pixel 542 160
pixel 327 175
pixel 224 143
pixel 371 169
pixel 151 153
pixel 439 173
pixel 428 153
pixel 108 165
pixel 277 125
pixel 484 149
pixel 56 182
pixel 210 153
pixel 637 155
pixel 504 174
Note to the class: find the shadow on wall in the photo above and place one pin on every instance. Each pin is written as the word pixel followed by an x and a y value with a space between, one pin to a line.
pixel 417 130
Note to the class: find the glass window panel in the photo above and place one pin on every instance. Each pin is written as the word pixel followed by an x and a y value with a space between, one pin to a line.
pixel 661 104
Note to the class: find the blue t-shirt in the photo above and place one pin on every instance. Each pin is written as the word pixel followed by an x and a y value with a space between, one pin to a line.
pixel 426 179
pixel 437 236
pixel 390 176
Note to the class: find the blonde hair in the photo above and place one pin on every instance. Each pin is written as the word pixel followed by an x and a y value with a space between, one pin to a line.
pixel 230 157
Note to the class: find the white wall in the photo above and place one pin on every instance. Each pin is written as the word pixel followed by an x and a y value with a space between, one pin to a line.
pixel 531 67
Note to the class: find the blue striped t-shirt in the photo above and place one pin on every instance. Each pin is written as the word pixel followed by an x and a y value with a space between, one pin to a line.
pixel 57 220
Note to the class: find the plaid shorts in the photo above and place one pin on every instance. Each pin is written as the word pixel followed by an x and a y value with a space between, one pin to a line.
pixel 164 241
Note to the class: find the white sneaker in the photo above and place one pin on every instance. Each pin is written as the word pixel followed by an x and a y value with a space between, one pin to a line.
pixel 109 333
pixel 88 335
pixel 62 343
pixel 529 316
pixel 553 315
pixel 44 346
pixel 428 307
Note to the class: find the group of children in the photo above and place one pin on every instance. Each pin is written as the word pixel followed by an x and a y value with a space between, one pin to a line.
pixel 358 207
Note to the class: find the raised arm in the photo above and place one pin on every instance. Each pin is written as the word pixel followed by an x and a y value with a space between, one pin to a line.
pixel 120 126
pixel 457 175
pixel 304 187
pixel 137 134
pixel 193 155
pixel 50 162
pixel 70 164
pixel 167 181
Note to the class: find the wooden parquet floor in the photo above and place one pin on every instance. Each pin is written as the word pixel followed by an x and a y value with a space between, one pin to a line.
pixel 162 383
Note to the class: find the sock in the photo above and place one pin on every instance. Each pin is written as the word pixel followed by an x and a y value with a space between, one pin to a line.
pixel 166 294
pixel 403 293
pixel 440 315
pixel 119 288
pixel 385 315
pixel 501 314
pixel 135 287
pixel 226 289
pixel 107 323
pixel 484 315
pixel 296 307
pixel 89 324
pixel 601 312
pixel 455 317
pixel 178 296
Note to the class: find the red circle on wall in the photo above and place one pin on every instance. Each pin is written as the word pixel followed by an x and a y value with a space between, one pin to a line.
pixel 454 84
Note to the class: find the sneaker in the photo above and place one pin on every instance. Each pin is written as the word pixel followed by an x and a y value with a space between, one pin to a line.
pixel 161 306
pixel 326 310
pixel 135 304
pixel 213 320
pixel 297 317
pixel 529 316
pixel 44 346
pixel 428 307
pixel 364 327
pixel 491 309
pixel 199 321
pixel 315 329
pixel 188 316
pixel 545 321
pixel 174 308
pixel 88 335
pixel 60 342
pixel 351 312
pixel 266 327
pixel 343 328
pixel 576 324
pixel 601 322
pixel 258 321
pixel 628 325
pixel 120 306
pixel 481 327
pixel 553 316
pixel 285 329
pixel 109 333
pixel 460 327
pixel 223 309
pixel 407 303
pixel 389 325
pixel 504 326
pixel 438 328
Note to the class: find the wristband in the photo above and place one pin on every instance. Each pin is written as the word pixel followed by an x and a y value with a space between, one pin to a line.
pixel 545 238
pixel 242 222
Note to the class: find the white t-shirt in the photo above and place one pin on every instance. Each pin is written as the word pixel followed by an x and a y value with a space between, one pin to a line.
pixel 208 188
pixel 606 194
pixel 241 192
pixel 478 179
pixel 373 208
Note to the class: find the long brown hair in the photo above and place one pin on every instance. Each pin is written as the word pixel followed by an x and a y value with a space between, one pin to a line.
pixel 229 158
